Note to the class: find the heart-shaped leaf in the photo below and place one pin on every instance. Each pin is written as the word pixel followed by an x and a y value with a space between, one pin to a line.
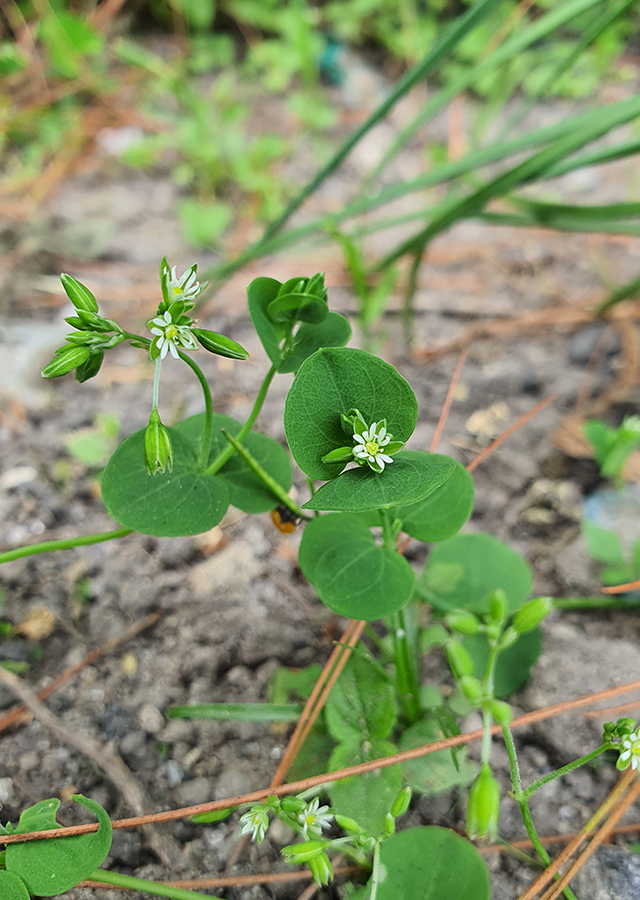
pixel 260 294
pixel 461 573
pixel 444 511
pixel 12 887
pixel 363 703
pixel 328 385
pixel 246 491
pixel 351 574
pixel 407 479
pixel 335 331
pixel 181 502
pixel 54 866
pixel 432 863
pixel 367 797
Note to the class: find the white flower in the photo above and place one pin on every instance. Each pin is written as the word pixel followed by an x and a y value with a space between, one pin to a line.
pixel 255 822
pixel 171 336
pixel 631 750
pixel 313 818
pixel 369 446
pixel 186 287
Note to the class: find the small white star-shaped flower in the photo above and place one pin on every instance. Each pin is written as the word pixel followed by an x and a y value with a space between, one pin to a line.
pixel 313 818
pixel 369 446
pixel 255 822
pixel 171 336
pixel 631 750
pixel 186 287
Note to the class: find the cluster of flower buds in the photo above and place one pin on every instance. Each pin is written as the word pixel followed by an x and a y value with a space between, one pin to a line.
pixel 628 743
pixel 372 445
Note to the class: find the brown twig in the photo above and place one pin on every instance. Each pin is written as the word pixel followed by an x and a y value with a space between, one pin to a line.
pixel 507 434
pixel 621 588
pixel 19 714
pixel 550 839
pixel 296 787
pixel 448 400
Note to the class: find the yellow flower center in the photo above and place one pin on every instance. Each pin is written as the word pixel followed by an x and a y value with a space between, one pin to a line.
pixel 171 332
pixel 371 447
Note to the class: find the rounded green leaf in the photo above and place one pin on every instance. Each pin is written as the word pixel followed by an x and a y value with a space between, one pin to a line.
pixel 246 491
pixel 328 385
pixel 351 574
pixel 461 573
pixel 432 863
pixel 367 797
pixel 514 664
pixel 12 887
pixel 260 293
pixel 181 502
pixel 335 331
pixel 444 511
pixel 363 701
pixel 435 772
pixel 54 866
pixel 407 479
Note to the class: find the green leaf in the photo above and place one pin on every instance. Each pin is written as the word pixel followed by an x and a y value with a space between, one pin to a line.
pixel 238 712
pixel 181 502
pixel 351 574
pixel 601 544
pixel 68 38
pixel 204 221
pixel 287 682
pixel 405 480
pixel 260 293
pixel 367 797
pixel 328 385
pixel 443 512
pixel 363 702
pixel 600 437
pixel 12 887
pixel 246 491
pixel 436 772
pixel 216 815
pixel 432 863
pixel 54 866
pixel 514 664
pixel 476 565
pixel 335 331
pixel 312 757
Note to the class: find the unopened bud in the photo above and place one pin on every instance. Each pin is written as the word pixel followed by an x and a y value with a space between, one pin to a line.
pixel 459 659
pixel 348 824
pixel 472 689
pixel 497 606
pixel 158 452
pixel 292 804
pixel 305 851
pixel 483 810
pixel 220 344
pixel 532 613
pixel 389 825
pixel 509 637
pixel 320 868
pixel 401 804
pixel 462 620
pixel 500 711
pixel 90 366
pixel 65 360
pixel 80 296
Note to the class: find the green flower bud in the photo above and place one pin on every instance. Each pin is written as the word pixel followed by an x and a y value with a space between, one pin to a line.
pixel 483 810
pixel 348 824
pixel 509 637
pixel 320 868
pixel 98 323
pixel 220 344
pixel 625 726
pixel 433 636
pixel 462 620
pixel 472 689
pixel 158 452
pixel 90 367
pixel 65 360
pixel 80 296
pixel 292 804
pixel 340 454
pixel 305 851
pixel 389 825
pixel 500 711
pixel 532 613
pixel 401 804
pixel 497 606
pixel 459 659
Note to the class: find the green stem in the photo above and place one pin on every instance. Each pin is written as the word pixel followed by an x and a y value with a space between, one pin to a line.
pixel 156 384
pixel 550 776
pixel 207 432
pixel 488 686
pixel 148 887
pixel 406 670
pixel 265 478
pixel 375 873
pixel 523 803
pixel 66 544
pixel 228 452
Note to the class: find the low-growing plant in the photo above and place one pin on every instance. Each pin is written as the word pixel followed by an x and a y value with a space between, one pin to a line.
pixel 347 418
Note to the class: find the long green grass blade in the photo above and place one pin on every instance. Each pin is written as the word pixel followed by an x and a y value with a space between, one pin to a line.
pixel 624 292
pixel 562 223
pixel 238 712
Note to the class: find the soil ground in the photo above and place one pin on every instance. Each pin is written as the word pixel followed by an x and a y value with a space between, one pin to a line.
pixel 234 606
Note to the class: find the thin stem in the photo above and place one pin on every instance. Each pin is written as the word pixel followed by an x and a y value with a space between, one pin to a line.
pixel 147 887
pixel 228 452
pixel 66 544
pixel 557 773
pixel 156 384
pixel 375 873
pixel 523 803
pixel 487 717
pixel 205 446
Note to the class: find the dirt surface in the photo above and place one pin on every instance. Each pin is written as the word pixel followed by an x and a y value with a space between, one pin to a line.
pixel 233 603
